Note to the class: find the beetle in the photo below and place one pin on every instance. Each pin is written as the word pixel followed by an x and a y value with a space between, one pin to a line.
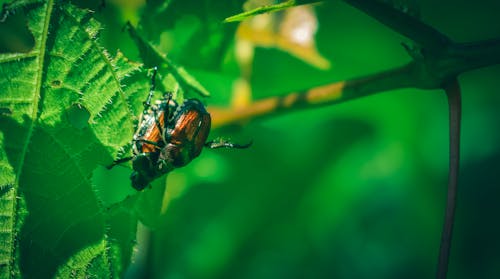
pixel 169 135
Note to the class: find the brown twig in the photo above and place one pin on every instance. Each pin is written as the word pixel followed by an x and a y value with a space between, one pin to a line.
pixel 453 93
pixel 318 96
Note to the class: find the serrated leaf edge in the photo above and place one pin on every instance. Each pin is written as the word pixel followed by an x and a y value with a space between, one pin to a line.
pixel 40 55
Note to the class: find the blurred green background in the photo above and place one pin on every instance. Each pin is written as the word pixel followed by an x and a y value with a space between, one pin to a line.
pixel 355 190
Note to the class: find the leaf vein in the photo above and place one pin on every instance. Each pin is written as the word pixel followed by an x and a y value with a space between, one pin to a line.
pixel 18 56
pixel 36 97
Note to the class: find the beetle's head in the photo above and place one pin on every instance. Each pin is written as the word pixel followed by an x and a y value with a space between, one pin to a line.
pixel 144 171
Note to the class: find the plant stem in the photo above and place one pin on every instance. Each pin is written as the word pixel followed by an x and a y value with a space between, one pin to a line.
pixel 403 23
pixel 453 94
pixel 328 94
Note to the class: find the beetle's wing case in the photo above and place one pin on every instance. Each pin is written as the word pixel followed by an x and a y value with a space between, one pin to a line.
pixel 192 126
pixel 148 130
pixel 192 123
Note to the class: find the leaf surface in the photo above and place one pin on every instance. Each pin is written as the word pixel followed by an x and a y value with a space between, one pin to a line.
pixel 68 113
pixel 152 57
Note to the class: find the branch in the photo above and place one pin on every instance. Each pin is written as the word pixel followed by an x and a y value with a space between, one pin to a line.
pixel 437 61
pixel 453 93
pixel 328 94
pixel 475 55
pixel 403 23
pixel 426 72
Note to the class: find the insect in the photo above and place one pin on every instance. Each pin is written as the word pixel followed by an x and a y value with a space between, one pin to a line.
pixel 169 136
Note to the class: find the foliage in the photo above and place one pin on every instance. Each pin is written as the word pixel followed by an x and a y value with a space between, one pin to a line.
pixel 70 112
pixel 348 191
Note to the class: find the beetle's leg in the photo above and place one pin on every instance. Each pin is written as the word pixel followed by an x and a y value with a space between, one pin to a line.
pixel 126 159
pixel 147 103
pixel 119 161
pixel 149 142
pixel 168 114
pixel 169 97
pixel 220 143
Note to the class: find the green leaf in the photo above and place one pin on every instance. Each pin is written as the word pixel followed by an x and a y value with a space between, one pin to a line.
pixel 269 9
pixel 152 57
pixel 90 260
pixel 67 113
pixel 190 31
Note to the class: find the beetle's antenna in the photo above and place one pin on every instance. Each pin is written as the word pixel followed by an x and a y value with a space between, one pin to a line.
pixel 220 143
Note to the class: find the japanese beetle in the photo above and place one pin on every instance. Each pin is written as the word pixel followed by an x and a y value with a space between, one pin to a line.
pixel 169 136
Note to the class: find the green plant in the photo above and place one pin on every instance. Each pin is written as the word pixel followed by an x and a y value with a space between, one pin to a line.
pixel 69 108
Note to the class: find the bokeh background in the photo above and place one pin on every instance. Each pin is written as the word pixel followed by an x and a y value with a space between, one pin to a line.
pixel 355 190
